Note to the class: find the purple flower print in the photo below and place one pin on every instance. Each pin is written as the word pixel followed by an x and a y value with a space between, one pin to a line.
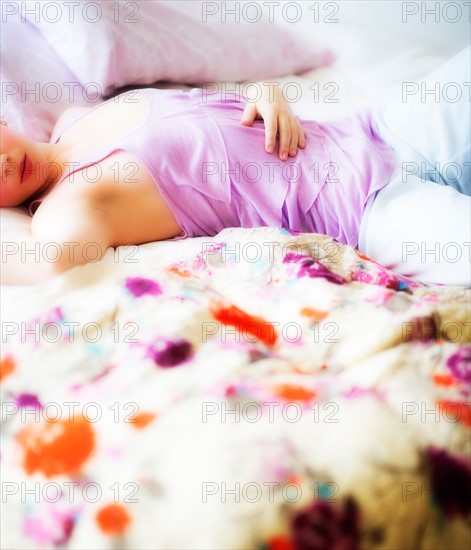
pixel 450 477
pixel 140 286
pixel 327 526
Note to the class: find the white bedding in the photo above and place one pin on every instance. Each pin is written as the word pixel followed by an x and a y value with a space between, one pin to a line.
pixel 370 68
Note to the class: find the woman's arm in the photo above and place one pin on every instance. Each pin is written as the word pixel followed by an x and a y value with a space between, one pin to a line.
pixel 279 119
pixel 22 261
pixel 78 234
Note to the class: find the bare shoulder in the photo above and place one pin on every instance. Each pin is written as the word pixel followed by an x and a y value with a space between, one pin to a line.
pixel 68 115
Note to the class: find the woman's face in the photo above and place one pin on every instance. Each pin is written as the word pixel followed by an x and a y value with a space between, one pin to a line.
pixel 22 163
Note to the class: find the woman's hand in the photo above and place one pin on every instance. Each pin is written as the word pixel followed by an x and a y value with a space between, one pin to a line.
pixel 278 118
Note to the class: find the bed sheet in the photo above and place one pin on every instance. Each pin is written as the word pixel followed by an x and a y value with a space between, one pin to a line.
pixel 248 391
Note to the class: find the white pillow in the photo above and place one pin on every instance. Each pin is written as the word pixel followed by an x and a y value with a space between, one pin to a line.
pixel 116 43
pixel 35 82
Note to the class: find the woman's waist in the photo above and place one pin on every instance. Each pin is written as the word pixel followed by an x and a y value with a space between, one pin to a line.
pixel 212 151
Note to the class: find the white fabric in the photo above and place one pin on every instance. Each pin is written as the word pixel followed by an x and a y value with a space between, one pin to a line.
pixel 419 225
pixel 420 229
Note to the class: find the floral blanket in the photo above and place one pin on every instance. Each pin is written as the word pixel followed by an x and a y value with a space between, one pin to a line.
pixel 257 390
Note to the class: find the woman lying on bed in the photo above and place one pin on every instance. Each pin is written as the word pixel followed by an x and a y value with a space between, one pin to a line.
pixel 152 164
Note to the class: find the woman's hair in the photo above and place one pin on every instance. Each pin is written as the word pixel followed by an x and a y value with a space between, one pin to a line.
pixel 123 89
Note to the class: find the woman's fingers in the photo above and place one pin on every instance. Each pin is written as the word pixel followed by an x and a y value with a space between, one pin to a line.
pixel 249 115
pixel 302 137
pixel 298 139
pixel 294 141
pixel 284 124
pixel 271 129
pixel 285 136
